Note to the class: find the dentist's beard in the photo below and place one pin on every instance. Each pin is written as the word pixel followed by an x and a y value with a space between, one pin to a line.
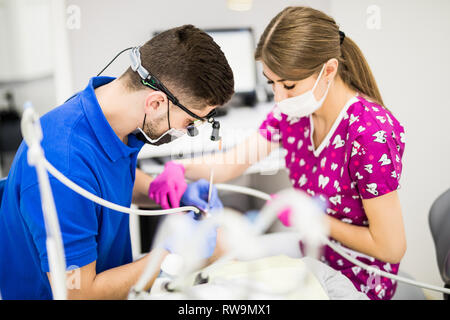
pixel 150 128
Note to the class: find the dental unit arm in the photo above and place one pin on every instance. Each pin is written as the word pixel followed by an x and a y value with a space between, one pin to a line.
pixel 32 134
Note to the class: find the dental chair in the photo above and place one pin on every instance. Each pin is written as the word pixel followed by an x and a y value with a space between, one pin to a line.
pixel 439 220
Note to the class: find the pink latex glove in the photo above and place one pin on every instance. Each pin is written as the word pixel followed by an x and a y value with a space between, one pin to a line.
pixel 284 215
pixel 168 187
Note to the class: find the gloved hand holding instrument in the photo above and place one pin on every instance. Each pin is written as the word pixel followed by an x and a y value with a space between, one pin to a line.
pixel 197 194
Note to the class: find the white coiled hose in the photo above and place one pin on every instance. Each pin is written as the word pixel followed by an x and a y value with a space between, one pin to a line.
pixel 335 247
pixel 32 133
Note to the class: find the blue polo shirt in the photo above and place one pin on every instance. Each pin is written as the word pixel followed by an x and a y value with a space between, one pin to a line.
pixel 80 143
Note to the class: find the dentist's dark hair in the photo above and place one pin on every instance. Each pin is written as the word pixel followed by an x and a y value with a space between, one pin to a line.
pixel 190 64
pixel 299 40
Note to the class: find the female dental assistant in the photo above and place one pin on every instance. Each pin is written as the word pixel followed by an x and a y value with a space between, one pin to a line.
pixel 343 146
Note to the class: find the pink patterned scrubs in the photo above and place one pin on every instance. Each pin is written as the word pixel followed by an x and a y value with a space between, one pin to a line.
pixel 360 158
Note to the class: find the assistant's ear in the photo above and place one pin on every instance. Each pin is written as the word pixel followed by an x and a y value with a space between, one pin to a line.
pixel 154 100
pixel 331 69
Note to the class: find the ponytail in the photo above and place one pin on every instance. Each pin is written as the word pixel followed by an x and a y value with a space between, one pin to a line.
pixel 356 73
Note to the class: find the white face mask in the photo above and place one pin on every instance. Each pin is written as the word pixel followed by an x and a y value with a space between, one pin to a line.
pixel 166 137
pixel 305 104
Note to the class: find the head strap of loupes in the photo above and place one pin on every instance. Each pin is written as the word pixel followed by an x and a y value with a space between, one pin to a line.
pixel 149 80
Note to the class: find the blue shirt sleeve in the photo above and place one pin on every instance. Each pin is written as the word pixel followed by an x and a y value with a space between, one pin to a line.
pixel 77 218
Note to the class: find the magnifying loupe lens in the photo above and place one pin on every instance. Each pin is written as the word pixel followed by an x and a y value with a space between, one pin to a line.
pixel 192 131
pixel 215 131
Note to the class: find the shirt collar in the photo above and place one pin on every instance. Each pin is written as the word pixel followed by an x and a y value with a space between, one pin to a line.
pixel 107 138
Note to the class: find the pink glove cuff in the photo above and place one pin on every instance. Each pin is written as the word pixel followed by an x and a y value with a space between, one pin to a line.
pixel 284 215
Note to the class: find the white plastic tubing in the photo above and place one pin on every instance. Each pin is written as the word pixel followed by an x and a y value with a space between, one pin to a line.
pixel 337 248
pixel 32 133
pixel 70 184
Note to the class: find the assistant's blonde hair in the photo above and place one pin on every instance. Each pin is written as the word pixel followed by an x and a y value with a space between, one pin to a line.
pixel 299 40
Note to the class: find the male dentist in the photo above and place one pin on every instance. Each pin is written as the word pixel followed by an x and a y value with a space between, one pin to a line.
pixel 178 77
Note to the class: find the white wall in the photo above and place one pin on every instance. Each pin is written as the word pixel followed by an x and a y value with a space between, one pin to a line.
pixel 409 56
pixel 107 27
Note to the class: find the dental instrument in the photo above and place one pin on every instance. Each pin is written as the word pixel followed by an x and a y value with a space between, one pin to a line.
pixel 211 179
